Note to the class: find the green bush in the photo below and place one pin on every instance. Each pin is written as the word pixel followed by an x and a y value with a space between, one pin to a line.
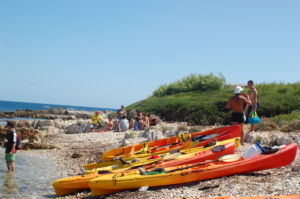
pixel 284 119
pixel 193 82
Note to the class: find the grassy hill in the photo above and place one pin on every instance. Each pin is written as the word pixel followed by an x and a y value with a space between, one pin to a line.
pixel 201 99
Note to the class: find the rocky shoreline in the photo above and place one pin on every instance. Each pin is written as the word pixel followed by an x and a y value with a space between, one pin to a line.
pixel 70 147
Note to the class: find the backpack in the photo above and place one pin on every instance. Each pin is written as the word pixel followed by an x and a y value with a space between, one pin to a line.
pixel 19 143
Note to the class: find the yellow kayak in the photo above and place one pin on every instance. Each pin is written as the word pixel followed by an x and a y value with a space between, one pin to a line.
pixel 182 154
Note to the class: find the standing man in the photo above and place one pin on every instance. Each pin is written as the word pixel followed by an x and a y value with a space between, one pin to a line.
pixel 121 113
pixel 253 98
pixel 236 103
pixel 123 124
pixel 10 146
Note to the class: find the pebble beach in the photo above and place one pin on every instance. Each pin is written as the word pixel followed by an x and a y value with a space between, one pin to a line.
pixel 281 181
pixel 71 148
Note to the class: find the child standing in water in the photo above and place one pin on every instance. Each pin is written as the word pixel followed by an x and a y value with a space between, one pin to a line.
pixel 10 146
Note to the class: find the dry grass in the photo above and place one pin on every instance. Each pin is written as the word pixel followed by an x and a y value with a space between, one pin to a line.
pixel 267 124
pixel 292 126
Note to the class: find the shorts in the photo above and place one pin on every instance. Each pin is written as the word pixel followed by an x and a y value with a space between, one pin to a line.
pixel 10 157
pixel 238 117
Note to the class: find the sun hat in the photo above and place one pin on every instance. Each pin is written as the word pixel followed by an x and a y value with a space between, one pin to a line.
pixel 238 90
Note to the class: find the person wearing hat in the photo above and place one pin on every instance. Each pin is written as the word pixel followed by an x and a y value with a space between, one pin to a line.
pixel 237 104
pixel 96 119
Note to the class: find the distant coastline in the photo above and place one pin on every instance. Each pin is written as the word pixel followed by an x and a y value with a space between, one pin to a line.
pixel 8 106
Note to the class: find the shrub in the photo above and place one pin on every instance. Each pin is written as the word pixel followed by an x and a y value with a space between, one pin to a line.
pixel 267 124
pixel 193 82
pixel 284 119
pixel 292 126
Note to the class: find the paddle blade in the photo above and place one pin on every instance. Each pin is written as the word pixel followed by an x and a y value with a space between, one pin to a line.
pixel 230 158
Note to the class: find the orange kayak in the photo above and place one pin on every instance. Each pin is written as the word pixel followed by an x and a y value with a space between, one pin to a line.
pixel 254 197
pixel 182 141
pixel 73 184
pixel 112 183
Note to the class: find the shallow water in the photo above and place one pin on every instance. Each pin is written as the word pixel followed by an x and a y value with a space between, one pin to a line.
pixel 32 179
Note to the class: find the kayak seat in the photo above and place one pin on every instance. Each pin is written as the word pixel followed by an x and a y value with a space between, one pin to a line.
pixel 211 143
pixel 103 172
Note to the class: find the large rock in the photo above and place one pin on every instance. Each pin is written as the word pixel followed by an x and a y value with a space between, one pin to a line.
pixel 73 129
pixel 42 123
pixel 283 140
pixel 51 130
pixel 171 133
pixel 257 137
pixel 153 134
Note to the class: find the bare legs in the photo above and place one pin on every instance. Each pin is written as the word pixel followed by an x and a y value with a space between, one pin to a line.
pixel 242 131
pixel 252 128
pixel 10 165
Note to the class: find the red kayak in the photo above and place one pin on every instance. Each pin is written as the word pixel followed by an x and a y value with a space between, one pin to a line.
pixel 112 183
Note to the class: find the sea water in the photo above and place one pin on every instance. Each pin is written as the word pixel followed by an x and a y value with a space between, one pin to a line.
pixel 6 106
pixel 32 179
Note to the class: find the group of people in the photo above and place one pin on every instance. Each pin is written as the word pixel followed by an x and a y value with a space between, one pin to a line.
pixel 122 122
pixel 242 104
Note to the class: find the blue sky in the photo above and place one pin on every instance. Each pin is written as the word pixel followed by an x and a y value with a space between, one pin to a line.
pixel 108 53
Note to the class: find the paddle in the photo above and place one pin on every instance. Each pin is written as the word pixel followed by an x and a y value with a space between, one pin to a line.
pixel 167 157
pixel 197 138
pixel 225 158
